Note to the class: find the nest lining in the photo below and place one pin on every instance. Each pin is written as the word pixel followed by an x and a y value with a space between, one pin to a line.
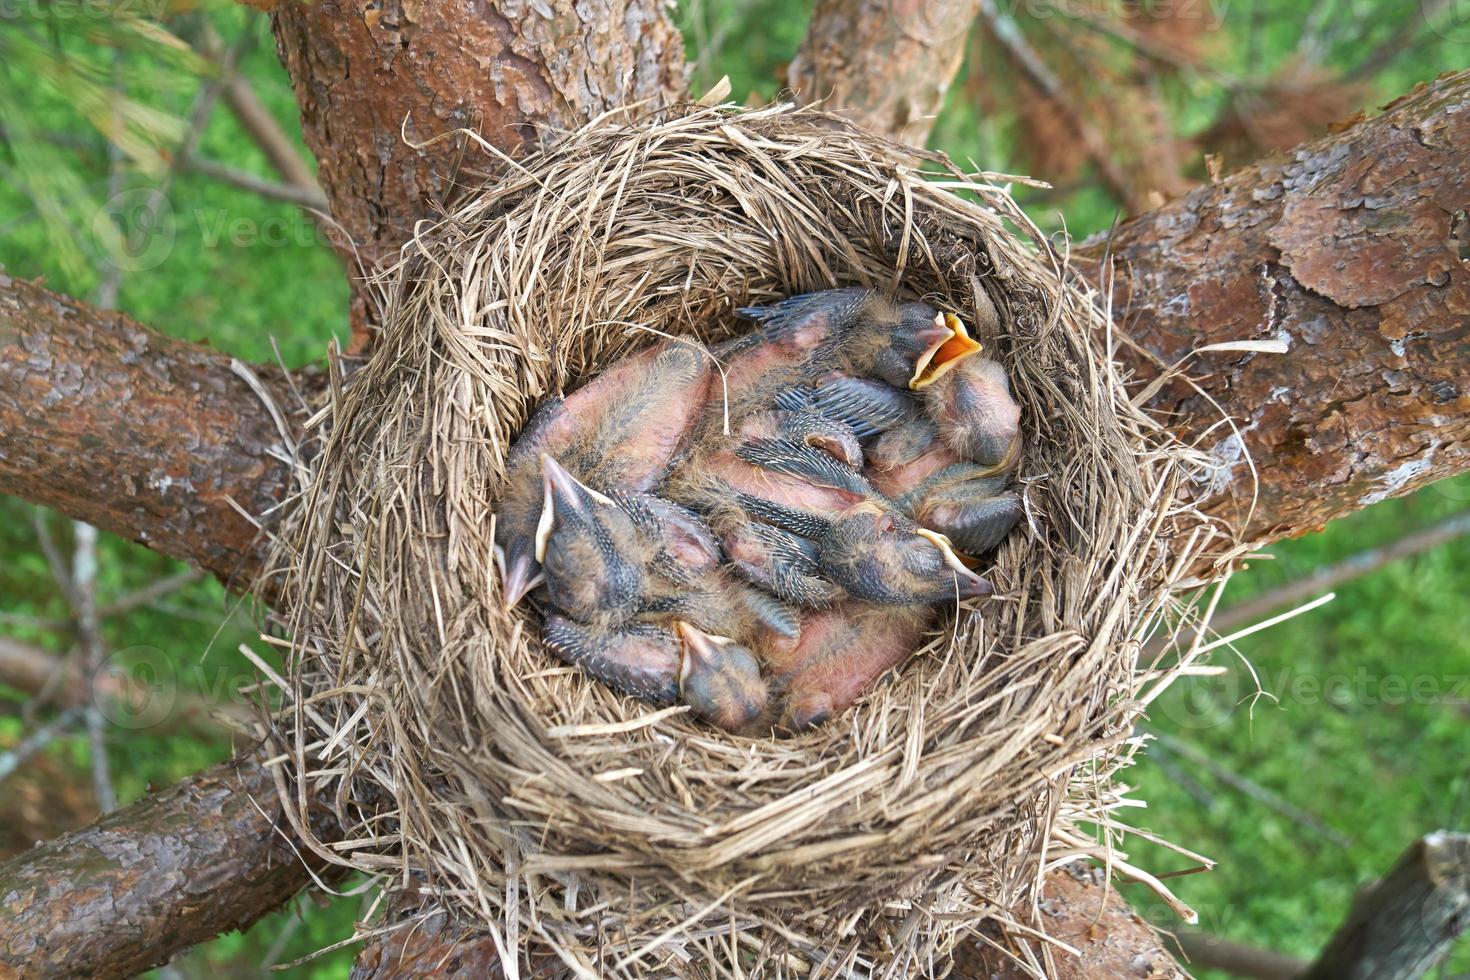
pixel 632 841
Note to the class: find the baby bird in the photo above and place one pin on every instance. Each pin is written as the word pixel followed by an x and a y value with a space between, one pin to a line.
pixel 975 414
pixel 967 502
pixel 905 343
pixel 720 680
pixel 619 431
pixel 843 650
pixel 595 557
pixel 813 530
pixel 637 583
pixel 717 677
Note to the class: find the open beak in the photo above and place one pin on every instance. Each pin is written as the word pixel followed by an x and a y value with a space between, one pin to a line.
pixel 971 583
pixel 948 344
pixel 564 493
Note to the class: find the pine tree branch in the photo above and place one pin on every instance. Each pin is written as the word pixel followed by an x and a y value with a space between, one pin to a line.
pixel 118 896
pixel 885 64
pixel 1350 250
pixel 134 432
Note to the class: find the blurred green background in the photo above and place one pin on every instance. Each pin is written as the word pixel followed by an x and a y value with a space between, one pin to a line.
pixel 1333 740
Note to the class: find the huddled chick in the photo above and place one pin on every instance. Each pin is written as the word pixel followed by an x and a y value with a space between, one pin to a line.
pixel 814 504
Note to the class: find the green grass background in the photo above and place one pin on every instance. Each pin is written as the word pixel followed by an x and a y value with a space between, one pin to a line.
pixel 1363 720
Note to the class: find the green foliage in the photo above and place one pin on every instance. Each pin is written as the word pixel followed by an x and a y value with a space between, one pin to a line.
pixel 1362 720
pixel 1365 726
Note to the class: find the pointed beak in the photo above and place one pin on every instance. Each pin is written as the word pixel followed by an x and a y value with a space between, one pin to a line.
pixel 947 343
pixel 563 494
pixel 700 648
pixel 521 577
pixel 972 585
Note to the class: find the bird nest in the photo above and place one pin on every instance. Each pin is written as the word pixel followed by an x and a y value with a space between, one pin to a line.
pixel 593 831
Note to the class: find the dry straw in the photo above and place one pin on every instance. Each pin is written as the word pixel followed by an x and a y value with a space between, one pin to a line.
pixel 615 839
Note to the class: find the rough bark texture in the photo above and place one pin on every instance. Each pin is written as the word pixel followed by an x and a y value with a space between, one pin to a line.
pixel 1405 923
pixel 127 892
pixel 1353 251
pixel 132 431
pixel 885 64
pixel 366 71
pixel 1096 921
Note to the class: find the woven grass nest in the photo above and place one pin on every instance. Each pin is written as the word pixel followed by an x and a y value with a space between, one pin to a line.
pixel 617 839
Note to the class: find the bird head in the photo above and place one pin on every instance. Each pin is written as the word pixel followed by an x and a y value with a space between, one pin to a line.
pixel 590 549
pixel 879 555
pixel 909 344
pixel 720 679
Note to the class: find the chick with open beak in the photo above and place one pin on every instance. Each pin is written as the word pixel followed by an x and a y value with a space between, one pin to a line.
pixel 975 415
pixel 904 343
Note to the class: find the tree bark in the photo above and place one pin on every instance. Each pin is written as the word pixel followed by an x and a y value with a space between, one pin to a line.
pixel 366 71
pixel 1094 919
pixel 1352 250
pixel 132 431
pixel 885 64
pixel 1405 923
pixel 125 893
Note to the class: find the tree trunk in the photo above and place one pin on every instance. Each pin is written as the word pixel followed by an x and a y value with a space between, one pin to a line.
pixel 885 64
pixel 370 75
pixel 124 894
pixel 132 431
pixel 1351 250
pixel 1405 923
